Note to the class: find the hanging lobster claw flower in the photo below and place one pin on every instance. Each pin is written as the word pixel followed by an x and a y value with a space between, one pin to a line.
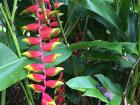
pixel 58 4
pixel 36 77
pixel 31 40
pixel 50 32
pixel 53 83
pixel 47 100
pixel 36 87
pixel 50 46
pixel 32 54
pixel 34 67
pixel 30 9
pixel 54 40
pixel 51 58
pixel 30 27
pixel 50 72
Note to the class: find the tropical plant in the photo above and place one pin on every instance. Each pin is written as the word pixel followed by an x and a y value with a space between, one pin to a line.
pixel 99 44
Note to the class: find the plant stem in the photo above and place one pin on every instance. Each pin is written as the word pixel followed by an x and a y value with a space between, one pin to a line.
pixel 28 91
pixel 29 102
pixel 59 22
pixel 3 97
pixel 14 9
pixel 132 71
pixel 41 46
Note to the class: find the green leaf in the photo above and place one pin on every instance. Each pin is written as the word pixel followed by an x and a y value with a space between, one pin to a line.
pixel 82 83
pixel 107 83
pixel 12 73
pixel 95 93
pixel 106 11
pixel 114 88
pixel 116 47
pixel 11 68
pixel 6 55
pixel 123 10
pixel 130 48
pixel 88 85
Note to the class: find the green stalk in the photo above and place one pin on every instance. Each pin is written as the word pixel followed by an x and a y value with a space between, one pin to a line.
pixel 14 9
pixel 3 97
pixel 26 94
pixel 29 91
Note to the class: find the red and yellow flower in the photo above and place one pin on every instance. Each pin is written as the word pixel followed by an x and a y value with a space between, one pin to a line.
pixel 36 77
pixel 34 67
pixel 31 40
pixel 50 72
pixel 32 54
pixel 51 58
pixel 36 87
pixel 53 83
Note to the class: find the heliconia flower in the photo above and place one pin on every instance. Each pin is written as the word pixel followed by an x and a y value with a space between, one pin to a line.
pixel 51 58
pixel 58 4
pixel 32 54
pixel 34 67
pixel 30 27
pixel 53 71
pixel 53 83
pixel 50 32
pixel 30 9
pixel 36 77
pixel 36 87
pixel 50 46
pixel 47 100
pixel 31 40
pixel 54 40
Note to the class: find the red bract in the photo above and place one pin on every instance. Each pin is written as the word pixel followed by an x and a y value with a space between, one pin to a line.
pixel 32 54
pixel 50 32
pixel 30 27
pixel 53 71
pixel 51 58
pixel 31 40
pixel 36 87
pixel 50 46
pixel 47 100
pixel 30 9
pixel 34 67
pixel 36 77
pixel 58 4
pixel 53 83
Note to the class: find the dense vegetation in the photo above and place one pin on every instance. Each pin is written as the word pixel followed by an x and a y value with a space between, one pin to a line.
pixel 98 48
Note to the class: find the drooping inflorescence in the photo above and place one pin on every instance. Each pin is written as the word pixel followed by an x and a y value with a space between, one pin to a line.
pixel 48 31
